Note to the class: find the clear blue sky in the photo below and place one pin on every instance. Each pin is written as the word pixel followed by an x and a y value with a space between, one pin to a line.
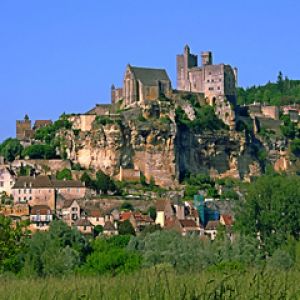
pixel 63 55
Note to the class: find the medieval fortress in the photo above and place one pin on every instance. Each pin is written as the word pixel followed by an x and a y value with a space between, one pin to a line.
pixel 216 83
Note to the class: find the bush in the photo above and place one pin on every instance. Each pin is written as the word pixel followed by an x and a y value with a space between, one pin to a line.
pixel 65 174
pixel 110 256
pixel 40 152
pixel 10 149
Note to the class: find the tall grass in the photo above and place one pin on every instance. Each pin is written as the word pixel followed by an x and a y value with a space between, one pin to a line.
pixel 158 283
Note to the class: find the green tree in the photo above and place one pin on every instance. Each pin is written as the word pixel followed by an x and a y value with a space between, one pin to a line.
pixel 152 212
pixel 11 245
pixel 126 228
pixel 10 149
pixel 271 210
pixel 87 180
pixel 295 147
pixel 40 152
pixel 64 174
pixel 56 252
pixel 111 257
pixel 103 183
pixel 127 206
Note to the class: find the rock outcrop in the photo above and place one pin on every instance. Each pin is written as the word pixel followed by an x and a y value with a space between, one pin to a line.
pixel 149 139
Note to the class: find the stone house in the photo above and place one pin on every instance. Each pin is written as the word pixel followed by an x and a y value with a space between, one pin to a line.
pixel 41 123
pixel 84 226
pixel 142 84
pixel 164 211
pixel 37 190
pixel 109 229
pixel 138 220
pixel 70 189
pixel 7 180
pixel 211 229
pixel 70 211
pixel 96 217
pixel 40 217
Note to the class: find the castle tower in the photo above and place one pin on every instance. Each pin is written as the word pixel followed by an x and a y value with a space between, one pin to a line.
pixel 184 62
pixel 22 127
pixel 206 58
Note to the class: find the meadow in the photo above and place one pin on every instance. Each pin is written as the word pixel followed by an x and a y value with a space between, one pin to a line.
pixel 158 283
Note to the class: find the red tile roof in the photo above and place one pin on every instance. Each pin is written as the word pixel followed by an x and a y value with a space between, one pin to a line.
pixel 188 223
pixel 40 210
pixel 228 221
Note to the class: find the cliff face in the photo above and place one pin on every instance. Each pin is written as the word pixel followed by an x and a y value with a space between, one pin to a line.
pixel 149 139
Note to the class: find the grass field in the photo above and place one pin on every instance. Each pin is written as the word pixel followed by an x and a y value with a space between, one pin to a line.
pixel 158 284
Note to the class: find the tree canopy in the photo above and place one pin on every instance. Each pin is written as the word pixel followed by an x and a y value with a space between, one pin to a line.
pixel 271 210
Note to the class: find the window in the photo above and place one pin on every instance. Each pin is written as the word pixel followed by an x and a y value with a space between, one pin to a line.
pixel 25 191
pixel 19 191
pixel 219 88
pixel 30 198
pixel 1 184
pixel 210 88
pixel 207 80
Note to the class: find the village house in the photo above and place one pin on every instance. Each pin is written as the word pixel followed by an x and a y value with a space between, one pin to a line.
pixel 184 227
pixel 211 229
pixel 84 226
pixel 109 229
pixel 40 217
pixel 34 190
pixel 70 189
pixel 70 212
pixel 138 220
pixel 164 211
pixel 7 180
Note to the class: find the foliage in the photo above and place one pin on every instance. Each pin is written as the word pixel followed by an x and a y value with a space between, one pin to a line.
pixel 205 119
pixel 295 147
pixel 10 149
pixel 110 256
pixel 103 183
pixel 127 206
pixel 283 92
pixel 98 229
pixel 55 252
pixel 271 210
pixel 88 181
pixel 11 245
pixel 126 228
pixel 104 120
pixel 152 212
pixel 288 129
pixel 189 253
pixel 64 174
pixel 39 152
pixel 47 134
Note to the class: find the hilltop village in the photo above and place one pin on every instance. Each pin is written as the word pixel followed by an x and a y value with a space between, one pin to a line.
pixel 154 156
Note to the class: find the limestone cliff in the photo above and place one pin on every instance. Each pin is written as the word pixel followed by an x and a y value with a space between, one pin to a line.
pixel 150 139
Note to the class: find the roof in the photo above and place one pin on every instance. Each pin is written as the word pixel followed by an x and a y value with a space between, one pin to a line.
pixel 33 182
pixel 227 220
pixel 125 215
pixel 83 222
pixel 40 210
pixel 149 76
pixel 41 123
pixel 188 223
pixel 68 203
pixel 161 204
pixel 95 213
pixel 67 184
pixel 108 226
pixel 212 225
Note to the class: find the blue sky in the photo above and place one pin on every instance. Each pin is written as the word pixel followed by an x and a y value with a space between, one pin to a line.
pixel 63 55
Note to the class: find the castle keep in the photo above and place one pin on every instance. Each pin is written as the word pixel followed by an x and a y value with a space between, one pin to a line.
pixel 216 81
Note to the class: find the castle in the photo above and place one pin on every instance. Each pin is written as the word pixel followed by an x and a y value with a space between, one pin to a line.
pixel 217 82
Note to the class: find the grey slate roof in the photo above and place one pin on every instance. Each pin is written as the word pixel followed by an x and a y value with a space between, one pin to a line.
pixel 149 76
